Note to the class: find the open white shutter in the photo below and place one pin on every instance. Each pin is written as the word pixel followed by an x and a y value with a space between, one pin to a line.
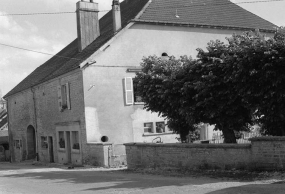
pixel 68 96
pixel 129 92
pixel 59 98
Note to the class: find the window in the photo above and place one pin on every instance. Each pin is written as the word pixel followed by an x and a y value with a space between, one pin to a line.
pixel 44 143
pixel 61 141
pixel 131 94
pixel 148 127
pixel 63 97
pixel 75 140
pixel 18 143
pixel 160 127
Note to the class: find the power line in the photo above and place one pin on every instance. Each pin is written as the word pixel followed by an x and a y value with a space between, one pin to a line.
pixel 44 13
pixel 200 4
pixel 39 52
pixel 62 56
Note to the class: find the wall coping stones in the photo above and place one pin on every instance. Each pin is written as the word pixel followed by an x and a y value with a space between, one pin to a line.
pixel 193 145
pixel 268 138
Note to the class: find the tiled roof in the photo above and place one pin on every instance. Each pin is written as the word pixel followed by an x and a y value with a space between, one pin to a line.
pixel 200 12
pixel 204 12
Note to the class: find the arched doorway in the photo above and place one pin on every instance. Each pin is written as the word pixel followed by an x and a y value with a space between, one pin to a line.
pixel 31 142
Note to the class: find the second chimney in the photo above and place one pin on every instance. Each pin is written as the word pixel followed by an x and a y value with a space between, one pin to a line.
pixel 117 23
pixel 87 23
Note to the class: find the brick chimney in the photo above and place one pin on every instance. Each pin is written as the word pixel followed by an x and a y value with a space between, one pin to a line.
pixel 87 23
pixel 117 22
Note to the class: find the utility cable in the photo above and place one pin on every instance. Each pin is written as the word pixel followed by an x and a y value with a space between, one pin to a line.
pixel 62 56
pixel 44 13
pixel 39 52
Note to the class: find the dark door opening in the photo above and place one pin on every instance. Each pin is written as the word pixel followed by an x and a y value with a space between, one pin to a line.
pixel 31 142
pixel 50 149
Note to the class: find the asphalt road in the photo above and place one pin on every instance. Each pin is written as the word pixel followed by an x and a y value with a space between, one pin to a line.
pixel 29 179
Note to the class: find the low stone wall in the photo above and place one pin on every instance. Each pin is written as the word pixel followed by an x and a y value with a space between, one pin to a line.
pixel 268 152
pixel 263 153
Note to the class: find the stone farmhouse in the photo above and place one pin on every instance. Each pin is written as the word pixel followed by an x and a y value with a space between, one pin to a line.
pixel 81 105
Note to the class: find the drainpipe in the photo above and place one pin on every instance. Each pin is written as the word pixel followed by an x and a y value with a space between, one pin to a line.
pixel 36 123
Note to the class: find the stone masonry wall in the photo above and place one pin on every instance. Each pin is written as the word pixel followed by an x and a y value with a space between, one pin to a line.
pixel 265 153
pixel 192 156
pixel 269 152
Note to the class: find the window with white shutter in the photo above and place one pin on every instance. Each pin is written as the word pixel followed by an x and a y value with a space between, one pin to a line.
pixel 129 92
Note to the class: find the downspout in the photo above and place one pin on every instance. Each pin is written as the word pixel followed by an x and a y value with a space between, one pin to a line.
pixel 36 122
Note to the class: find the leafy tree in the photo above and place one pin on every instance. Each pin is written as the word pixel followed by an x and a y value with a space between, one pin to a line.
pixel 160 84
pixel 231 86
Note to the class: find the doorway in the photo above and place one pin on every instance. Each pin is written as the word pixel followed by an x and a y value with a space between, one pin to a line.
pixel 50 149
pixel 31 142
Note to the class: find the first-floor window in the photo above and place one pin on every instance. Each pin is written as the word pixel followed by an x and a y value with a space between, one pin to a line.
pixel 63 97
pixel 61 141
pixel 75 140
pixel 131 94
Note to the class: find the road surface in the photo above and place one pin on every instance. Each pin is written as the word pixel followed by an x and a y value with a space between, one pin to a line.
pixel 30 179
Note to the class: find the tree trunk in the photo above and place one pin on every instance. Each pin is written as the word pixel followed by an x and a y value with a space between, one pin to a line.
pixel 229 136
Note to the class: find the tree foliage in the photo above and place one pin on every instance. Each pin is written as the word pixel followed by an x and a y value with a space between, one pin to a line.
pixel 231 86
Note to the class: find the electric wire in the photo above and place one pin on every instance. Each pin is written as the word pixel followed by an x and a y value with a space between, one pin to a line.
pixel 60 56
pixel 200 4
pixel 39 52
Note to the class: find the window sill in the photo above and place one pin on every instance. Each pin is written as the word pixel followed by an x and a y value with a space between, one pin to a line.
pixel 139 103
pixel 156 134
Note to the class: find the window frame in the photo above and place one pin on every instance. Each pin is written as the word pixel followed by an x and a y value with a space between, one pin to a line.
pixel 78 141
pixel 44 143
pixel 144 127
pixel 63 92
pixel 154 130
pixel 129 87
pixel 59 140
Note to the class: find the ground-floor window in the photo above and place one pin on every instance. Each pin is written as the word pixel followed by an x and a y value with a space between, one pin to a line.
pixel 155 127
pixel 44 142
pixel 75 140
pixel 18 143
pixel 61 141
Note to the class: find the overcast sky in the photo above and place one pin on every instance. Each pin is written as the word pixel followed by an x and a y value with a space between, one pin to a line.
pixel 51 33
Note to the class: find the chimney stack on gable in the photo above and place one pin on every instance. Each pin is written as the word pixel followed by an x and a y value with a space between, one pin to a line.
pixel 87 23
pixel 117 23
